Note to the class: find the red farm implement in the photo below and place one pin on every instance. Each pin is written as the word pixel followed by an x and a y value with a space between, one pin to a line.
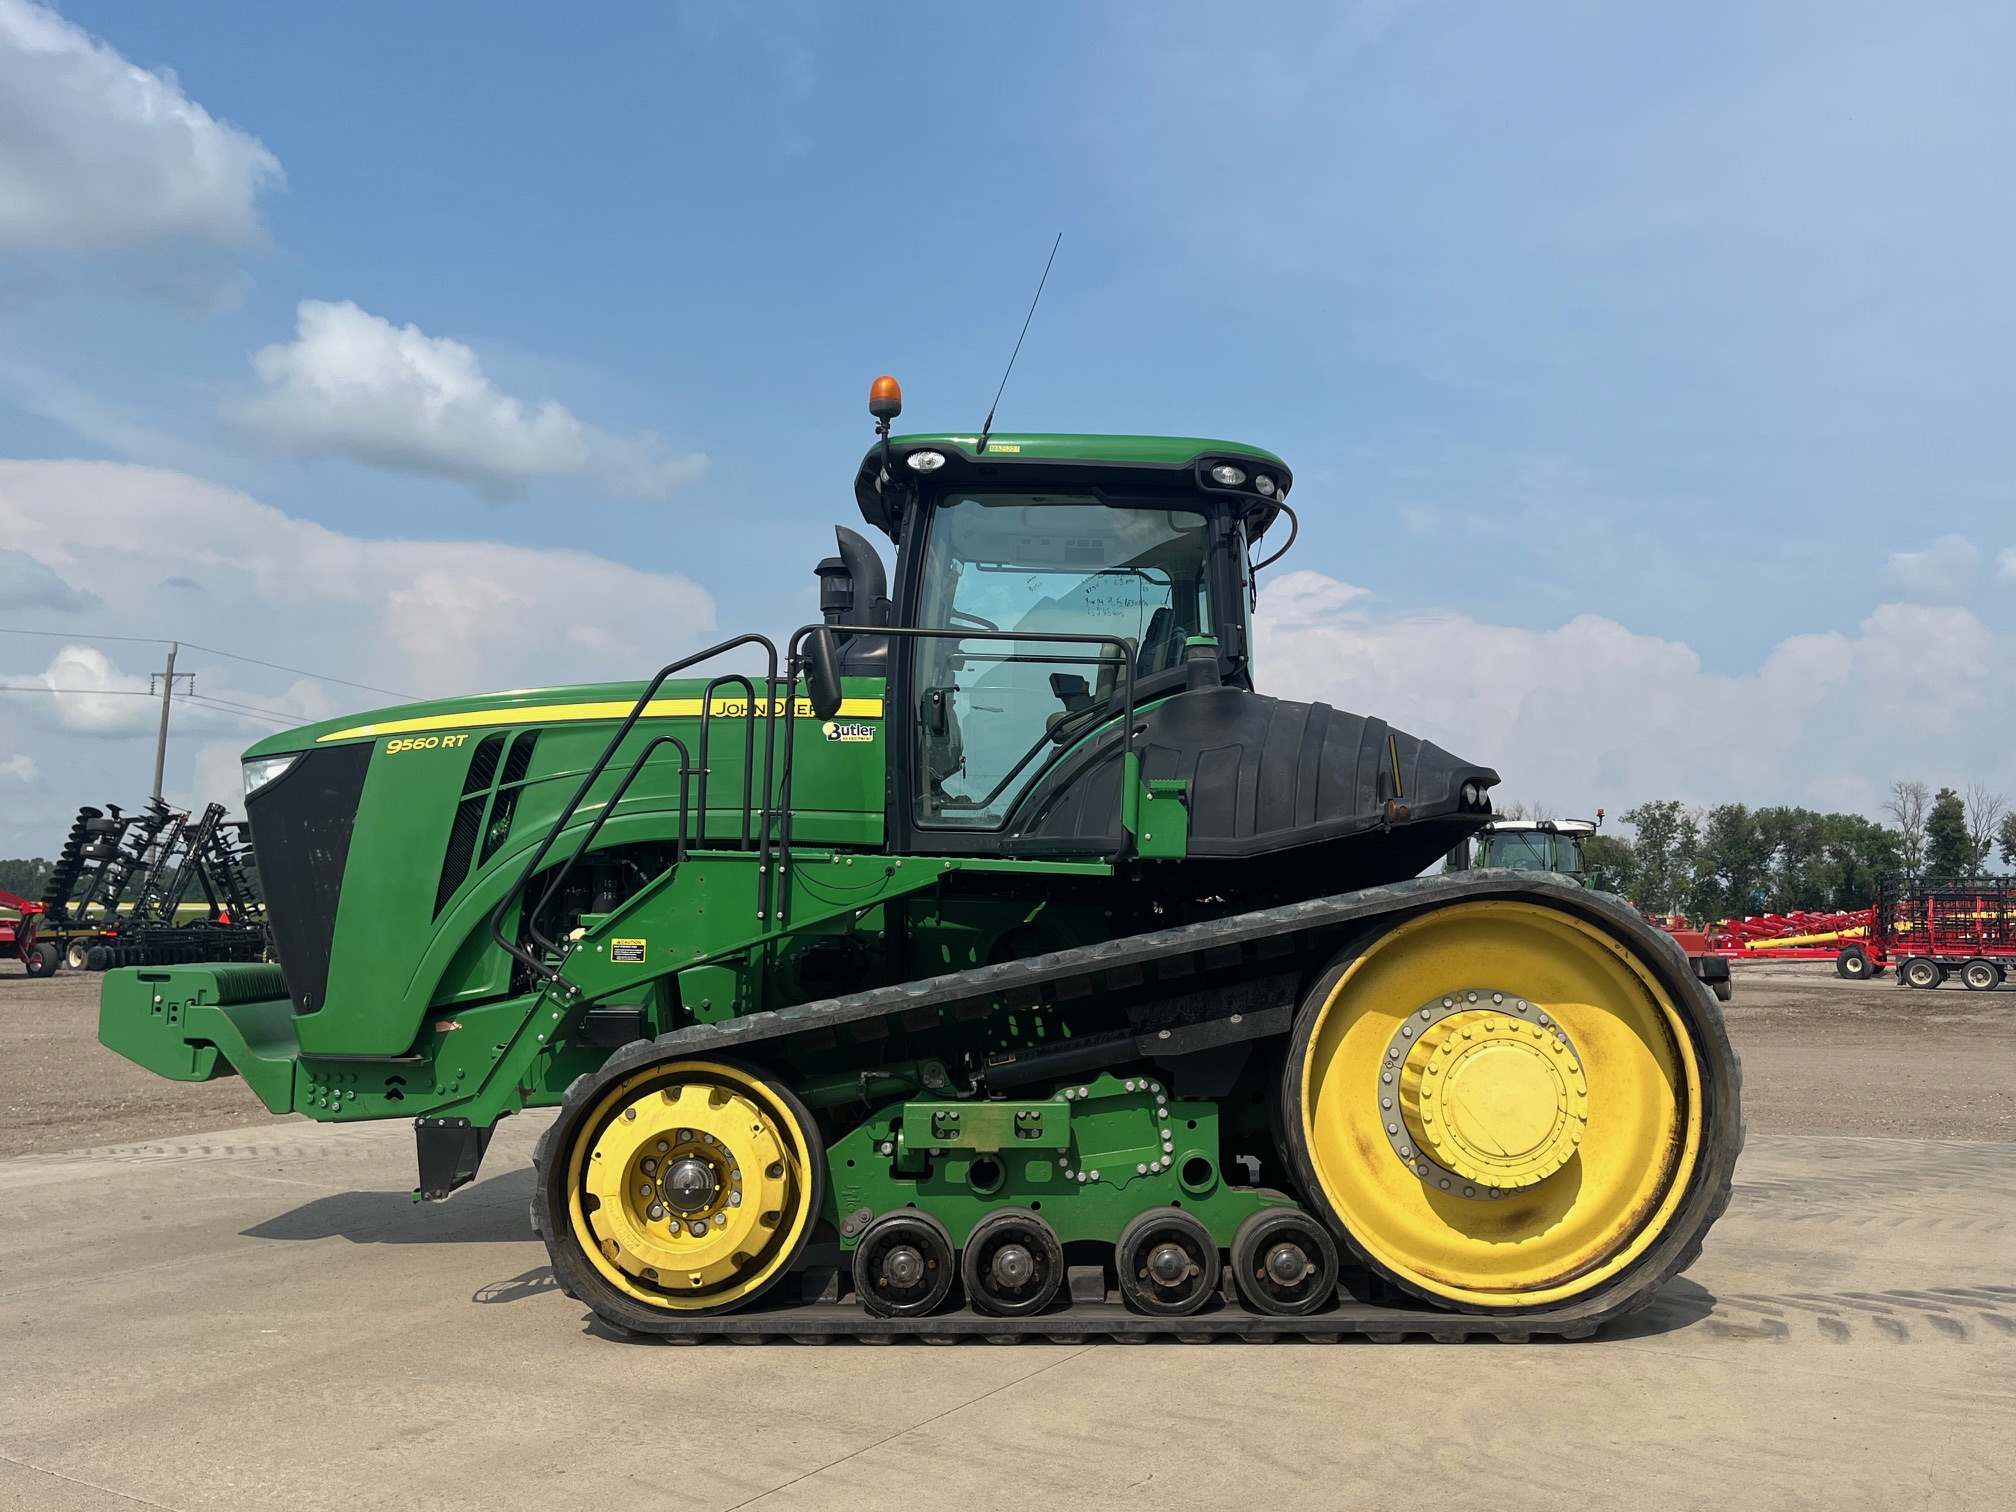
pixel 1934 927
pixel 17 935
pixel 1794 936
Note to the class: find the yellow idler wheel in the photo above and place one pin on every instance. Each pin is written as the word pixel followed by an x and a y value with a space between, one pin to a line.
pixel 1505 1105
pixel 679 1188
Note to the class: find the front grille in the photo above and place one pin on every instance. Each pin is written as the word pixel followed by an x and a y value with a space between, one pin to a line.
pixel 301 824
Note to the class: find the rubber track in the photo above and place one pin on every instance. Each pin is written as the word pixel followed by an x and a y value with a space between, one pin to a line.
pixel 1022 983
pixel 1084 1322
pixel 1016 981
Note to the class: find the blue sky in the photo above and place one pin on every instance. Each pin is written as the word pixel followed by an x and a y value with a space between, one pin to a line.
pixel 1692 318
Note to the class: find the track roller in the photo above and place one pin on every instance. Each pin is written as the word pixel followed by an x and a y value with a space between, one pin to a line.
pixel 903 1265
pixel 1284 1262
pixel 1012 1264
pixel 1167 1262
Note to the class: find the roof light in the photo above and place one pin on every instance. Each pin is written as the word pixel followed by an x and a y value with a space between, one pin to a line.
pixel 259 773
pixel 1227 474
pixel 885 398
pixel 925 461
pixel 1265 484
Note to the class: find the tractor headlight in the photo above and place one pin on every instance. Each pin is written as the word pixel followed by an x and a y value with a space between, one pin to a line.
pixel 925 461
pixel 1227 474
pixel 259 773
pixel 1471 794
pixel 1266 486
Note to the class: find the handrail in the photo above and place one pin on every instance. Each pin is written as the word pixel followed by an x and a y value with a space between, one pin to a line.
pixel 588 840
pixel 748 750
pixel 516 890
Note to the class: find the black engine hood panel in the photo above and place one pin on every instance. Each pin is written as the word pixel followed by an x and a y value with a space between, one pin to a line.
pixel 1265 775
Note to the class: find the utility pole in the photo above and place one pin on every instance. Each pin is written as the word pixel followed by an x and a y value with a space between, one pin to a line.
pixel 166 681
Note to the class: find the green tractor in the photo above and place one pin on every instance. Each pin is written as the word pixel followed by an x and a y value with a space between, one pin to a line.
pixel 993 958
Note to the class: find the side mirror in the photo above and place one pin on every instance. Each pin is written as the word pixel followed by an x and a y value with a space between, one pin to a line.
pixel 822 672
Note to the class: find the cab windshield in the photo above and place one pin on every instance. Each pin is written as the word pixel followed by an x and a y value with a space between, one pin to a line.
pixel 1059 564
pixel 1533 850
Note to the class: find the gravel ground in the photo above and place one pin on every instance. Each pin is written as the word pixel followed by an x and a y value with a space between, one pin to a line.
pixel 1820 1056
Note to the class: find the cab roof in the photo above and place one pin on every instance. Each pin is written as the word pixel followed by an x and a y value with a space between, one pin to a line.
pixel 1051 459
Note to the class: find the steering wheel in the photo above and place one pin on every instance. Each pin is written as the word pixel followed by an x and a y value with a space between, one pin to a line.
pixel 972 619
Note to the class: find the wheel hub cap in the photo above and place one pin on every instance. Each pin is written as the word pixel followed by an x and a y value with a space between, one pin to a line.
pixel 903 1266
pixel 1483 1094
pixel 1013 1266
pixel 1286 1264
pixel 690 1185
pixel 1168 1264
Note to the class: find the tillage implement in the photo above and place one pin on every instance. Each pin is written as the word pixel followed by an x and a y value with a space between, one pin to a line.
pixel 994 959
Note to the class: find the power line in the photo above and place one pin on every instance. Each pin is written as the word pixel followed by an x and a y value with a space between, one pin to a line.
pixel 200 698
pixel 157 640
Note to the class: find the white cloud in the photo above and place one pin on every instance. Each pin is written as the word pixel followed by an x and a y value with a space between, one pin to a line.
pixel 2005 564
pixel 351 384
pixel 91 695
pixel 1945 569
pixel 422 618
pixel 97 155
pixel 1593 713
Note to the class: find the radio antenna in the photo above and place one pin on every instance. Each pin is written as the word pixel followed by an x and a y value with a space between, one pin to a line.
pixel 987 429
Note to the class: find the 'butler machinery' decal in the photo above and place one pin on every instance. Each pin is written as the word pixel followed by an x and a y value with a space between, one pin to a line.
pixel 835 730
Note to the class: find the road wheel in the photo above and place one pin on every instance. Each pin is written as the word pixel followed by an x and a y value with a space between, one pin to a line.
pixel 1853 963
pixel 1167 1262
pixel 1506 1105
pixel 1012 1264
pixel 75 954
pixel 1284 1261
pixel 42 960
pixel 674 1187
pixel 1981 976
pixel 904 1265
pixel 1921 971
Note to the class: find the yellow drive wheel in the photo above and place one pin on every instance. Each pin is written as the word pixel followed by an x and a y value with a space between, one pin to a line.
pixel 681 1187
pixel 1503 1104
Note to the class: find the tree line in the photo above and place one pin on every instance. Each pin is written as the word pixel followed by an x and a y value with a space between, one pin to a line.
pixel 24 878
pixel 1731 861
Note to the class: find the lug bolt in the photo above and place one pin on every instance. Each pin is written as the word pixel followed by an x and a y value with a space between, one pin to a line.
pixel 655 1211
pixel 663 1147
pixel 630 1113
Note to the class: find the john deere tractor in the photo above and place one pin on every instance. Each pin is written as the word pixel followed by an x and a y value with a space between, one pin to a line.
pixel 993 957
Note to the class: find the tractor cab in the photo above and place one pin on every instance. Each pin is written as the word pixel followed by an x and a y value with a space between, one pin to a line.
pixel 1542 845
pixel 1052 592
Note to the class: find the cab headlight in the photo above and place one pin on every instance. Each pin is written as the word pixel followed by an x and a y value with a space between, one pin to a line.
pixel 1266 486
pixel 264 770
pixel 1228 475
pixel 925 461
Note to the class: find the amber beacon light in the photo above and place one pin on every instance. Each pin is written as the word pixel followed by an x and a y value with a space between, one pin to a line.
pixel 885 398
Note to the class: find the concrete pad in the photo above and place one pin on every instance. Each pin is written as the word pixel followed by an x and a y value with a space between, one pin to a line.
pixel 264 1318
